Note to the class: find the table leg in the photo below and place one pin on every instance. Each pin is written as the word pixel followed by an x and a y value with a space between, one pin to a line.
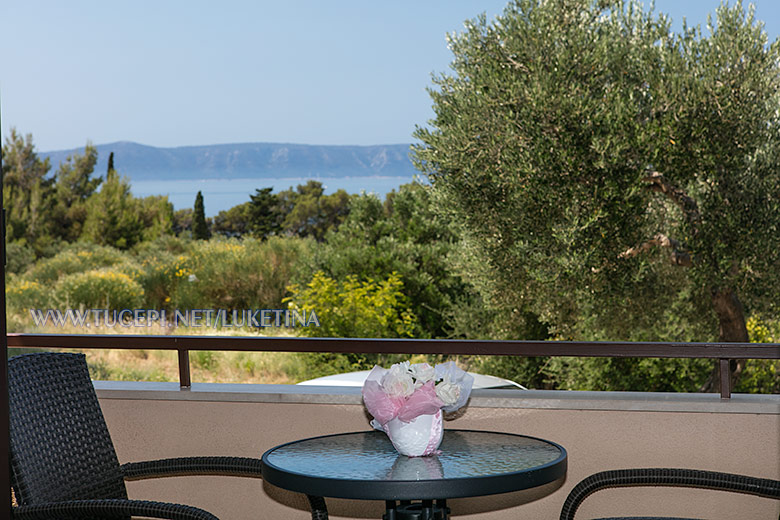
pixel 389 510
pixel 441 505
pixel 408 510
pixel 319 511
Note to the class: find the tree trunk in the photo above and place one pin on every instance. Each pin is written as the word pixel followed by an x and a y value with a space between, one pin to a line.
pixel 732 328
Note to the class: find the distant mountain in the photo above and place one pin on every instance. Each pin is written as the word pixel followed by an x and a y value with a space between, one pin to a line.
pixel 248 160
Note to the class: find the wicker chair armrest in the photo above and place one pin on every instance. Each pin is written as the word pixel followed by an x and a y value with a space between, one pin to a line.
pixel 109 508
pixel 673 477
pixel 183 466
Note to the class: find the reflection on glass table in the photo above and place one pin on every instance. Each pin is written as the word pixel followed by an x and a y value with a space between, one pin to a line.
pixel 365 466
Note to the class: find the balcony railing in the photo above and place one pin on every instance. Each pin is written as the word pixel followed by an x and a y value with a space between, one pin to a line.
pixel 600 430
pixel 723 352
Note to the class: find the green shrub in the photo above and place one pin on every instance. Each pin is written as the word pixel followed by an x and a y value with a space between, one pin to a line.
pixel 354 309
pixel 100 369
pixel 160 276
pixel 628 374
pixel 204 359
pixel 75 259
pixel 238 274
pixel 100 289
pixel 761 375
pixel 351 309
pixel 166 243
pixel 19 257
pixel 22 295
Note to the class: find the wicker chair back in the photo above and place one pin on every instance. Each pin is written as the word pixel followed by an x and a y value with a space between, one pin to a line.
pixel 60 446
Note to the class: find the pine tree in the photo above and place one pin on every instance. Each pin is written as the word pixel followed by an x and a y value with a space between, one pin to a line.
pixel 114 216
pixel 28 192
pixel 200 230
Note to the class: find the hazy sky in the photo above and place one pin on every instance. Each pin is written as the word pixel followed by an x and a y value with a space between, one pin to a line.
pixel 176 72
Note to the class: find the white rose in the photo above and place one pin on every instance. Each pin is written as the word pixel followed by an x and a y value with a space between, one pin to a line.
pixel 422 372
pixel 449 393
pixel 398 382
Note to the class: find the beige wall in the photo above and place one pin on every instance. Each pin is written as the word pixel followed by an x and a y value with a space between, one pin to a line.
pixel 596 439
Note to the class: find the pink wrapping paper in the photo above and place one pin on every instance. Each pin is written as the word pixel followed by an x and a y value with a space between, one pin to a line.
pixel 419 399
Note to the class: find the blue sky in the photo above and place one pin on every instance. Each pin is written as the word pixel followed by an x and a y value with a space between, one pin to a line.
pixel 177 73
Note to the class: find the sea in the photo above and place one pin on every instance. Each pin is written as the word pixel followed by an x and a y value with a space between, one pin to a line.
pixel 223 194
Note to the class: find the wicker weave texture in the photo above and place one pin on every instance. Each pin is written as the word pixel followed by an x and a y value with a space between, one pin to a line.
pixel 669 477
pixel 60 446
pixel 110 509
pixel 228 466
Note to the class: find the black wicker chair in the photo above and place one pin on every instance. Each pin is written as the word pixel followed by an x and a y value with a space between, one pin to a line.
pixel 666 477
pixel 63 463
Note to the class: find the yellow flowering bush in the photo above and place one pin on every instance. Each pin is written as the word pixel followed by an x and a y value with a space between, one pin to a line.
pixel 355 309
pixel 22 295
pixel 100 289
pixel 161 275
pixel 237 274
pixel 761 375
pixel 75 259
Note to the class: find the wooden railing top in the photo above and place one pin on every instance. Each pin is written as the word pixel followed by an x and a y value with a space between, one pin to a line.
pixel 402 346
pixel 183 344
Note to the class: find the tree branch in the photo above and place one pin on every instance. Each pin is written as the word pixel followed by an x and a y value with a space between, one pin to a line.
pixel 516 64
pixel 679 256
pixel 657 182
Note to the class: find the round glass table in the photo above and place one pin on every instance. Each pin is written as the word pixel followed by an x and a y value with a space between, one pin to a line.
pixel 364 465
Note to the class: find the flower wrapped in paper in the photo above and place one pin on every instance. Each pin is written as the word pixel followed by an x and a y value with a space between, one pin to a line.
pixel 406 402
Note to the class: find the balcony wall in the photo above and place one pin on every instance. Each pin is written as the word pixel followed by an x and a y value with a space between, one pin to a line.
pixel 599 430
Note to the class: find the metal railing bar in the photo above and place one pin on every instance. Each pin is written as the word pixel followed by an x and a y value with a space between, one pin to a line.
pixel 184 369
pixel 725 378
pixel 401 346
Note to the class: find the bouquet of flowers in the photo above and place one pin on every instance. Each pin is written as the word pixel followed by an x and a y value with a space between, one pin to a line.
pixel 407 401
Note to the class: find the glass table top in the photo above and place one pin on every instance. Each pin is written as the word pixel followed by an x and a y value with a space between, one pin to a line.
pixel 477 462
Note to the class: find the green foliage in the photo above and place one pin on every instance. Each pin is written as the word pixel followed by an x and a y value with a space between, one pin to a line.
pixel 74 259
pixel 351 309
pixel 200 230
pixel 761 375
pixel 66 206
pixel 81 274
pixel 303 212
pixel 354 309
pixel 404 236
pixel 529 372
pixel 204 359
pixel 161 272
pixel 234 222
pixel 581 146
pixel 264 217
pixel 99 289
pixel 21 295
pixel 73 187
pixel 28 193
pixel 163 243
pixel 628 374
pixel 101 370
pixel 19 257
pixel 156 215
pixel 112 215
pixel 237 274
pixel 182 221
pixel 307 211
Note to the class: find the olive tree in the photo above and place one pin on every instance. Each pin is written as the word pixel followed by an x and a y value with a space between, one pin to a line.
pixel 618 180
